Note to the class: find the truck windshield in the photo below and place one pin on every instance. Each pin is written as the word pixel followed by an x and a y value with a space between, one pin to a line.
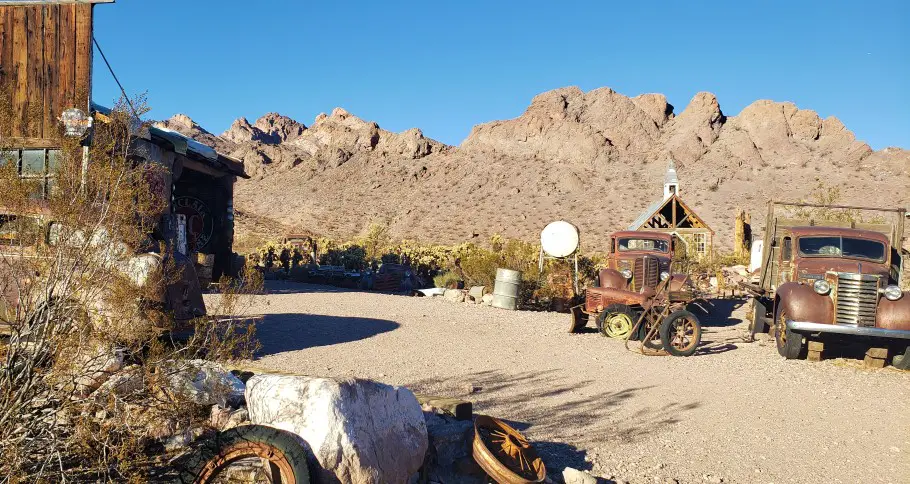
pixel 834 246
pixel 655 245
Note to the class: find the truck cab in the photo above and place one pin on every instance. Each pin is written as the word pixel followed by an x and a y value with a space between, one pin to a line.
pixel 826 279
pixel 638 261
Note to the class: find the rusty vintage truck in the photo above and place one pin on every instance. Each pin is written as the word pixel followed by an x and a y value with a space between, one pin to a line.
pixel 639 277
pixel 824 278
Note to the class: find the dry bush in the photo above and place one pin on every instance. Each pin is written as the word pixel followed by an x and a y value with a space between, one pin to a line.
pixel 87 307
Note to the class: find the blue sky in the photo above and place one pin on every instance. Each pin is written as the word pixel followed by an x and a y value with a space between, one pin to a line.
pixel 446 66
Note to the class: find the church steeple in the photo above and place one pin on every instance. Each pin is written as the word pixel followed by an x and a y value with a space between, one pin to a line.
pixel 671 181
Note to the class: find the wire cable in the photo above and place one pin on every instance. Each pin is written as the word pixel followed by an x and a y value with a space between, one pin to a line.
pixel 111 69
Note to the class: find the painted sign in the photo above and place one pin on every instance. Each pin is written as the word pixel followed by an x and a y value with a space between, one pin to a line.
pixel 199 222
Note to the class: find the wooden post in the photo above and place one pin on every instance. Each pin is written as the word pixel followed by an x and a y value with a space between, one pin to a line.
pixel 816 351
pixel 875 357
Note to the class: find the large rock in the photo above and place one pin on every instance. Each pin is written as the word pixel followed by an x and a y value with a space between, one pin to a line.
pixel 360 431
pixel 454 295
pixel 203 383
pixel 449 459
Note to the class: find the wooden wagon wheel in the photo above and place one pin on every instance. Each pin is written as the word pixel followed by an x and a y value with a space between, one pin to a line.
pixel 504 454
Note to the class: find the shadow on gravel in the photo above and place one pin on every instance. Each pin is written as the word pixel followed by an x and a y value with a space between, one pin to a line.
pixel 720 312
pixel 548 405
pixel 278 333
pixel 290 287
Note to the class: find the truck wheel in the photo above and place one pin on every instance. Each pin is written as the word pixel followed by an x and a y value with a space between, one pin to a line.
pixel 902 362
pixel 616 321
pixel 759 317
pixel 283 458
pixel 789 344
pixel 680 333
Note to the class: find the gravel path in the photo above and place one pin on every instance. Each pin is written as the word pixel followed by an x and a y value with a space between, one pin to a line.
pixel 735 412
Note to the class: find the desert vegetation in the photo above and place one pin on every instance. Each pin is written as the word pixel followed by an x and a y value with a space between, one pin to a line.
pixel 93 384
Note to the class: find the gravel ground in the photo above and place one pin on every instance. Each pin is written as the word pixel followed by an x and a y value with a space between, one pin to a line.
pixel 734 412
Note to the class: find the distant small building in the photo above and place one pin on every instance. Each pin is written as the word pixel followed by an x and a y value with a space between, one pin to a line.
pixel 671 215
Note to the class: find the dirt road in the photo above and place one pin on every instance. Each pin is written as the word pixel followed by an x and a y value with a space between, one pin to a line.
pixel 735 412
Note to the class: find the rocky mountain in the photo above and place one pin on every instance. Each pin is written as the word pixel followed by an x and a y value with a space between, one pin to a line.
pixel 596 159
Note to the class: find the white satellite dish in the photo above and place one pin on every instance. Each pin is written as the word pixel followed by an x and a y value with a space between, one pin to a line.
pixel 559 239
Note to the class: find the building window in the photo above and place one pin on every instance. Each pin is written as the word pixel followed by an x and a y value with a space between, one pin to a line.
pixel 701 243
pixel 37 165
pixel 18 230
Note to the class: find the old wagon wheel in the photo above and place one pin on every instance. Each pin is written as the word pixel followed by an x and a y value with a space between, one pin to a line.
pixel 649 334
pixel 616 321
pixel 680 333
pixel 253 453
pixel 504 454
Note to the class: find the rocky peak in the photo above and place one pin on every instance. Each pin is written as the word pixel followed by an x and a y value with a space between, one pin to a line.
pixel 278 128
pixel 271 129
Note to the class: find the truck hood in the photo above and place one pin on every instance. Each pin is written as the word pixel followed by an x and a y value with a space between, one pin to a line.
pixel 821 265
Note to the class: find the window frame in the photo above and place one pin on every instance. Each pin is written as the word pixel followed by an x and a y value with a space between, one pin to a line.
pixel 47 175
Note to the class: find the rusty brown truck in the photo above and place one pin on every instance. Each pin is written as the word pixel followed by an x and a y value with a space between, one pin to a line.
pixel 638 277
pixel 840 278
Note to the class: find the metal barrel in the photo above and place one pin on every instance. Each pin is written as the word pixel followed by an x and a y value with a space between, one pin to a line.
pixel 505 291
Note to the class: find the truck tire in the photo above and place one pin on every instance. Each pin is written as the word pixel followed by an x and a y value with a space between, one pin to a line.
pixel 789 344
pixel 759 317
pixel 680 333
pixel 283 451
pixel 902 362
pixel 616 321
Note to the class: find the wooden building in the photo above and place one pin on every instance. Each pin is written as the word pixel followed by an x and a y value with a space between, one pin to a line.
pixel 46 55
pixel 671 215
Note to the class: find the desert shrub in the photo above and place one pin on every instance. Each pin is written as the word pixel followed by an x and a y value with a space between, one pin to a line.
pixel 351 256
pixel 448 280
pixel 83 304
pixel 831 195
pixel 376 241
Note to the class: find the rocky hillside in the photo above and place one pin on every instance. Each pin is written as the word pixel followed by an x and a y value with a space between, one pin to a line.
pixel 596 159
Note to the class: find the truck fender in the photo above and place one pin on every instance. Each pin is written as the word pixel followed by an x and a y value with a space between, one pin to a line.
pixel 612 278
pixel 801 303
pixel 894 314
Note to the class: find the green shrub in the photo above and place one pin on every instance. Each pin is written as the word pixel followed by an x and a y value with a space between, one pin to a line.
pixel 448 280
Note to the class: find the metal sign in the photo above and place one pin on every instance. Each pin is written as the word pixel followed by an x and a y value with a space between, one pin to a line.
pixel 199 222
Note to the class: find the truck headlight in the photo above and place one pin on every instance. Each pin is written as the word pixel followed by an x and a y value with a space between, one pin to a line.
pixel 626 273
pixel 893 293
pixel 664 276
pixel 822 287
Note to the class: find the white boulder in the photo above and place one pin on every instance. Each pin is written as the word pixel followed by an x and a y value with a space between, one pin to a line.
pixel 204 383
pixel 359 431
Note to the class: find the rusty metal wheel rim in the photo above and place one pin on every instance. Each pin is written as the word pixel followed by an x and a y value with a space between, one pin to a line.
pixel 684 331
pixel 781 329
pixel 618 325
pixel 277 460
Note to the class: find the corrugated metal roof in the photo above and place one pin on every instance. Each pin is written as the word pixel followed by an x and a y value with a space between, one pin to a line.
pixel 646 215
pixel 183 143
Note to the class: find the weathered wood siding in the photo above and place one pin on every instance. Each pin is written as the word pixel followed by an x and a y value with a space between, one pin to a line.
pixel 45 64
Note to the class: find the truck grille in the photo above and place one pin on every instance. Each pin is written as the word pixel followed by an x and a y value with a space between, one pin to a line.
pixel 592 300
pixel 646 272
pixel 857 298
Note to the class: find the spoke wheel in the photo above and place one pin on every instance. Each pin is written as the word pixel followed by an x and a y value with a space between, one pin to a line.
pixel 680 333
pixel 504 454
